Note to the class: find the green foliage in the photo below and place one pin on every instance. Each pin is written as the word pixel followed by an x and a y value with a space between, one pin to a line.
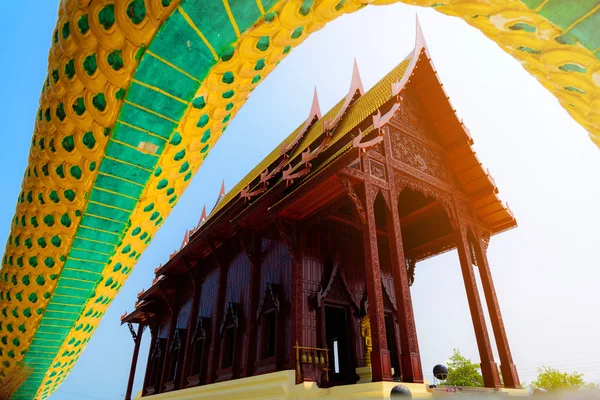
pixel 552 379
pixel 463 372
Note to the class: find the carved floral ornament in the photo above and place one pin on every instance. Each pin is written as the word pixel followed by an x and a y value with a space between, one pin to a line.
pixel 410 270
pixel 287 231
pixel 349 188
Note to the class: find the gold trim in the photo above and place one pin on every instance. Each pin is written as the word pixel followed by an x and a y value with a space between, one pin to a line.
pixel 156 135
pixel 195 28
pixel 126 163
pixel 158 90
pixel 150 111
pixel 120 178
pixel 593 10
pixel 231 18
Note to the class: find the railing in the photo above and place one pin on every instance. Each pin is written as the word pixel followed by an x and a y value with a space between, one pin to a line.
pixel 313 357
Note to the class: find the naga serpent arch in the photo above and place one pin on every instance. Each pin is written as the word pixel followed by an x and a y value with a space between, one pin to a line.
pixel 139 91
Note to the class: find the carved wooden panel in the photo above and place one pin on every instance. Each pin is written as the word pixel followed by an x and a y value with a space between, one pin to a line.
pixel 377 170
pixel 412 117
pixel 418 155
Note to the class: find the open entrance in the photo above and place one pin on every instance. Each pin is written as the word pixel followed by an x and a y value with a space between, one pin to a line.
pixel 390 333
pixel 341 367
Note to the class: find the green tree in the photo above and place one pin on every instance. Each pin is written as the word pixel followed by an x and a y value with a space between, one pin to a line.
pixel 463 372
pixel 552 379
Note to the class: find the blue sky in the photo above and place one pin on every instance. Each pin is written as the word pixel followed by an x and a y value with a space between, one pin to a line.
pixel 545 271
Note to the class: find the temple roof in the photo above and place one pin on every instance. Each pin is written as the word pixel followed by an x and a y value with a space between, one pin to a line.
pixel 450 131
pixel 364 106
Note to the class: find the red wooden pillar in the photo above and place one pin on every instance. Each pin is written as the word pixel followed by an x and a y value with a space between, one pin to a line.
pixel 293 236
pixel 153 334
pixel 410 358
pixel 136 352
pixel 489 369
pixel 215 342
pixel 509 371
pixel 191 325
pixel 251 245
pixel 172 304
pixel 380 356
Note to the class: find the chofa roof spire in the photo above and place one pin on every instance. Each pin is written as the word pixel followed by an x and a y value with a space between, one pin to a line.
pixel 355 86
pixel 315 108
pixel 356 82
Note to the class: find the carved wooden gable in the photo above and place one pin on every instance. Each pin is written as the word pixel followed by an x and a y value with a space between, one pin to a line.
pixel 200 333
pixel 414 142
pixel 269 300
pixel 336 289
pixel 231 317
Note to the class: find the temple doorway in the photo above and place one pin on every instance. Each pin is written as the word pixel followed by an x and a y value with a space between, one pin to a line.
pixel 390 333
pixel 336 334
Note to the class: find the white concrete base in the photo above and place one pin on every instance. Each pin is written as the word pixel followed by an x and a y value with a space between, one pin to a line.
pixel 282 386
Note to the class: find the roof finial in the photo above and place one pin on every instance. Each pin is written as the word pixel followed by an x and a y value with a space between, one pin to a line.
pixel 186 239
pixel 315 108
pixel 355 85
pixel 221 195
pixel 222 191
pixel 202 217
pixel 356 81
pixel 420 38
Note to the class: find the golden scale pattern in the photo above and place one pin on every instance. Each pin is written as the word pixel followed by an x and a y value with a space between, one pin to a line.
pixel 55 169
pixel 71 132
pixel 242 63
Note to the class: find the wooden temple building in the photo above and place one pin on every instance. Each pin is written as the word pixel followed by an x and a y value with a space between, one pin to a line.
pixel 306 265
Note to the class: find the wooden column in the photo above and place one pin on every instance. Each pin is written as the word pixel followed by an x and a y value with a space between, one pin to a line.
pixel 136 351
pixel 153 334
pixel 489 369
pixel 293 236
pixel 410 358
pixel 215 342
pixel 380 356
pixel 174 309
pixel 250 243
pixel 191 326
pixel 509 371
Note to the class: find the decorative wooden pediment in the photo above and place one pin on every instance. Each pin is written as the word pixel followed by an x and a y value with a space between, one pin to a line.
pixel 200 333
pixel 231 317
pixel 336 289
pixel 269 299
pixel 156 349
pixel 176 342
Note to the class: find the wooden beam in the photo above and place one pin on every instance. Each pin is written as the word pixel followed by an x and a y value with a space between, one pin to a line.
pixel 433 247
pixel 420 214
pixel 345 221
